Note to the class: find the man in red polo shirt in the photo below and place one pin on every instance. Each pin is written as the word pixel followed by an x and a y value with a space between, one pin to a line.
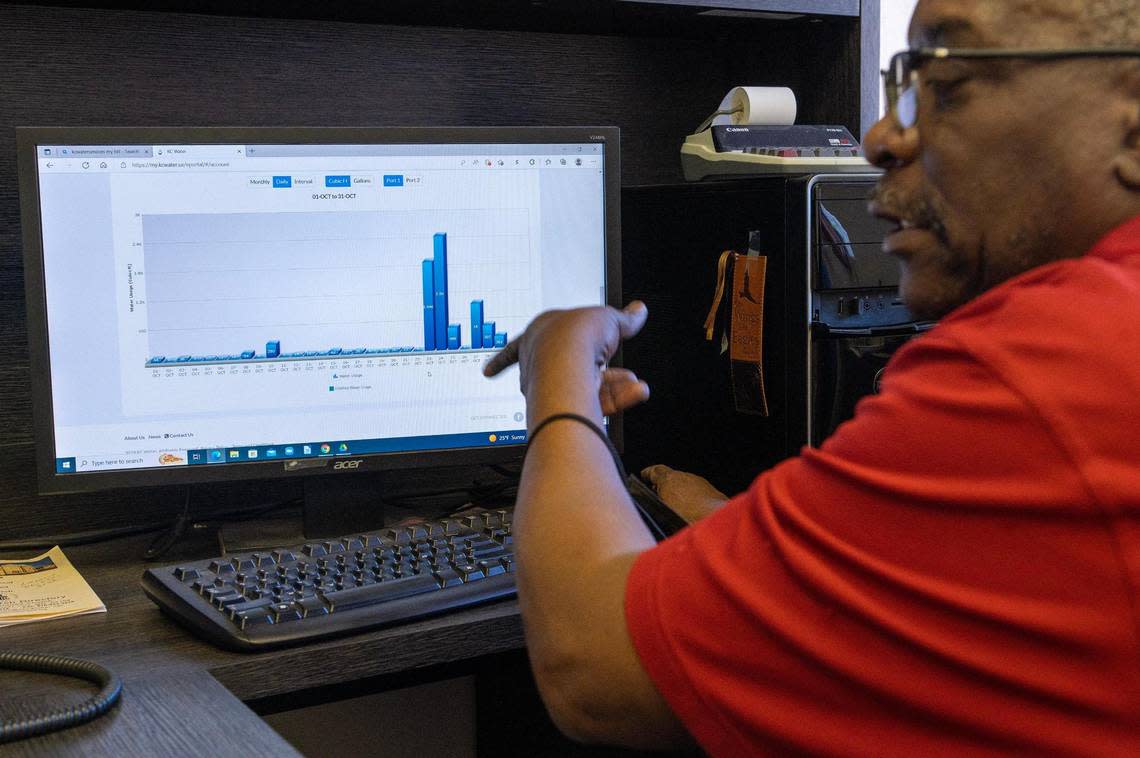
pixel 956 570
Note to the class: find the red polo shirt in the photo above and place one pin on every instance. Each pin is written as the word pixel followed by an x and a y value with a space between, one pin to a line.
pixel 955 571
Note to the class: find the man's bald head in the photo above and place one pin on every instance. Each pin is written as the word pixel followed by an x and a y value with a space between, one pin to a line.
pixel 1034 23
pixel 1109 23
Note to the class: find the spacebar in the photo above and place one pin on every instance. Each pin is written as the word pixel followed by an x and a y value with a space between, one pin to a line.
pixel 393 589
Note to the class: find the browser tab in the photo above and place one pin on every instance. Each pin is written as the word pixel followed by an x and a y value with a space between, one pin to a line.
pixel 199 151
pixel 95 151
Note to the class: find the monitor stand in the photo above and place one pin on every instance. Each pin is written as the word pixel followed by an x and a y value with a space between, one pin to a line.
pixel 335 506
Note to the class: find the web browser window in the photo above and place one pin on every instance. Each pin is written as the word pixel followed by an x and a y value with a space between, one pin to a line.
pixel 210 304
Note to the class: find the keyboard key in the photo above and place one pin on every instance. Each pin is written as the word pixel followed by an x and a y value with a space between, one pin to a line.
pixel 397 536
pixel 312 606
pixel 392 589
pixel 249 605
pixel 212 592
pixel 221 566
pixel 253 617
pixel 493 551
pixel 313 550
pixel 491 568
pixel 285 612
pixel 223 601
pixel 447 577
pixel 187 574
pixel 469 571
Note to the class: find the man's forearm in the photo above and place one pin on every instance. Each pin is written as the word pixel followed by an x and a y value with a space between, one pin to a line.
pixel 577 532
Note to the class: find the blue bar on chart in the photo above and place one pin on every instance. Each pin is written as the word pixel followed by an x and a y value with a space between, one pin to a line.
pixel 273 349
pixel 453 336
pixel 429 304
pixel 476 323
pixel 487 338
pixel 501 339
pixel 439 280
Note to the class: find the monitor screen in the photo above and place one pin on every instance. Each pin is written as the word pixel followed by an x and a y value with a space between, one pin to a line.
pixel 234 303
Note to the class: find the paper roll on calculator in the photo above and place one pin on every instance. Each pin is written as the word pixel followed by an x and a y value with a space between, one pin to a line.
pixel 757 105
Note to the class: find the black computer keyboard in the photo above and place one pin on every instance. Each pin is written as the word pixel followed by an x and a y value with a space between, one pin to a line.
pixel 325 588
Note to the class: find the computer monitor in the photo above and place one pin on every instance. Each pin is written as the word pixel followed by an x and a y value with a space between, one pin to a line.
pixel 209 304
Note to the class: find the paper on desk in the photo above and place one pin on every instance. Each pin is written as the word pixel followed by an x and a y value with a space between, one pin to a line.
pixel 42 588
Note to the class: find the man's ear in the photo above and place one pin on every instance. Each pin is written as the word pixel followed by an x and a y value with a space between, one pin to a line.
pixel 1127 163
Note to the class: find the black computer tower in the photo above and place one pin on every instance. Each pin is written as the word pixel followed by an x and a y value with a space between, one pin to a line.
pixel 832 317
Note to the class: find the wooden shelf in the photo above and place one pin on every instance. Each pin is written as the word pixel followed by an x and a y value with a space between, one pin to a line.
pixel 805 7
pixel 593 16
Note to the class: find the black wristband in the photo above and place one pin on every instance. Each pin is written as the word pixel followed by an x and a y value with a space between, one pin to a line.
pixel 589 425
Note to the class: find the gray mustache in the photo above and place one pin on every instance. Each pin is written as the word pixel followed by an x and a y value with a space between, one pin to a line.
pixel 917 211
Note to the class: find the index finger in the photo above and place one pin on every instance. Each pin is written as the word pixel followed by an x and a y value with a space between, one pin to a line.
pixel 503 359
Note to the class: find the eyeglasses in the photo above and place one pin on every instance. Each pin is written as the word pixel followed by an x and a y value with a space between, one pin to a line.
pixel 900 80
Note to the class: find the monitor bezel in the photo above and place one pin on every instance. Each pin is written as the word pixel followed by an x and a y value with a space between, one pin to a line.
pixel 29 138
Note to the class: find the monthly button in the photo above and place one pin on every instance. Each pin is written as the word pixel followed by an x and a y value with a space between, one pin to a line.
pixel 340 180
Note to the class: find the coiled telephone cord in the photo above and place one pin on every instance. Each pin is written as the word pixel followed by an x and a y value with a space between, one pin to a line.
pixel 110 689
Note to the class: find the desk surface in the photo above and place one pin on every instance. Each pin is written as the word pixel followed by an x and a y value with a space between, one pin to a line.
pixel 173 683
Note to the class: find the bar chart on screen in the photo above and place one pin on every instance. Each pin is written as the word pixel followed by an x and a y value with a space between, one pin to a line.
pixel 225 288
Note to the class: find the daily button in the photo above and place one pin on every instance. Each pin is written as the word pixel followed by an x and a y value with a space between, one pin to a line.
pixel 340 180
pixel 282 182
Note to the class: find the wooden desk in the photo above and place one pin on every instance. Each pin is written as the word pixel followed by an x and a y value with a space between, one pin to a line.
pixel 182 696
